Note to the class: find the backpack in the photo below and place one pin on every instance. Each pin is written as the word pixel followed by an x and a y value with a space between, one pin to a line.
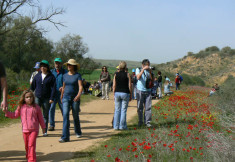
pixel 181 78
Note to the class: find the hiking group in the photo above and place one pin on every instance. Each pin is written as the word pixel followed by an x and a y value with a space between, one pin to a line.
pixel 65 87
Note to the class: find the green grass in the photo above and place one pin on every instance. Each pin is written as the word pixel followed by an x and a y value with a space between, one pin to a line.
pixel 185 128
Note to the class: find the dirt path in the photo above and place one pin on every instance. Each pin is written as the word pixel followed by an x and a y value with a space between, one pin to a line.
pixel 95 119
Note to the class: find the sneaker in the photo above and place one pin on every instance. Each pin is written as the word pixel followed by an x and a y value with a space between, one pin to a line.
pixel 107 98
pixel 63 141
pixel 148 125
pixel 103 98
pixel 78 136
pixel 44 135
pixel 51 129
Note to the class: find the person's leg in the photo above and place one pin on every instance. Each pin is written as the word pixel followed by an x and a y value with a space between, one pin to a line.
pixel 52 114
pixel 66 124
pixel 134 87
pixel 125 100
pixel 60 106
pixel 148 106
pixel 107 90
pixel 46 107
pixel 76 120
pixel 103 90
pixel 32 146
pixel 117 112
pixel 38 101
pixel 160 90
pixel 26 140
pixel 140 106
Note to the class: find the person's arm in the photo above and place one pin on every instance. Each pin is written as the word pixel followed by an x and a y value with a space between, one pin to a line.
pixel 114 83
pixel 53 87
pixel 4 103
pixel 77 98
pixel 138 76
pixel 62 92
pixel 13 115
pixel 129 85
pixel 40 119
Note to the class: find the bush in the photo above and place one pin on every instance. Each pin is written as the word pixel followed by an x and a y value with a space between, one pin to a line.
pixel 192 80
pixel 11 80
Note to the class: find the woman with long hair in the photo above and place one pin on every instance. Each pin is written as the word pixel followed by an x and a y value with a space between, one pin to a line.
pixel 105 78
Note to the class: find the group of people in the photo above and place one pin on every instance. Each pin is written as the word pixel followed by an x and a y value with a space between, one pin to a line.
pixel 65 87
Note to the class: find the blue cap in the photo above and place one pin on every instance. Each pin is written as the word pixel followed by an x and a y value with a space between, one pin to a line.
pixel 133 70
pixel 37 65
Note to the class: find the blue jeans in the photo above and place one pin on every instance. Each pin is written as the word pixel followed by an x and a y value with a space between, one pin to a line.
pixel 67 103
pixel 44 103
pixel 177 86
pixel 121 104
pixel 134 92
pixel 52 109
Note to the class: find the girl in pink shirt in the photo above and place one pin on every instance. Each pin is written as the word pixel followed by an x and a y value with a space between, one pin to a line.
pixel 31 117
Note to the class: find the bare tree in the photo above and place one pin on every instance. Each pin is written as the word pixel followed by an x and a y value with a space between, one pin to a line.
pixel 11 8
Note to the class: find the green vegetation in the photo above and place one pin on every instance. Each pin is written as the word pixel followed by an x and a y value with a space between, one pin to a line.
pixel 186 127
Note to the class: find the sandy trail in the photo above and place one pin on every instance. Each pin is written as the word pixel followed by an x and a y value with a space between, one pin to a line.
pixel 96 117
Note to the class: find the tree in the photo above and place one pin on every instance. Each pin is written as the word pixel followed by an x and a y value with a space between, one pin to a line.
pixel 24 45
pixel 10 8
pixel 72 46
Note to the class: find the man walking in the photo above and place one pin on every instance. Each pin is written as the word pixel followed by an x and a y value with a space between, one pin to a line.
pixel 144 75
pixel 58 72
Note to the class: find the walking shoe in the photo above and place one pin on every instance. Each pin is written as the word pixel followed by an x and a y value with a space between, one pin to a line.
pixel 103 98
pixel 148 125
pixel 51 129
pixel 78 136
pixel 63 141
pixel 44 135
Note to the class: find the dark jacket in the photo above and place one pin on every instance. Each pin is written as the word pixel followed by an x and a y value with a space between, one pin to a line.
pixel 45 89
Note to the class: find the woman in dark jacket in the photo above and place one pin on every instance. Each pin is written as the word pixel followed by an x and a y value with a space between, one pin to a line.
pixel 105 78
pixel 44 85
pixel 121 89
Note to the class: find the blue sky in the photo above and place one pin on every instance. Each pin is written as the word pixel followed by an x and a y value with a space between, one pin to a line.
pixel 160 30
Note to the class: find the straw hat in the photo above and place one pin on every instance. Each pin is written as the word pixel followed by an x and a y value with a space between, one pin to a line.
pixel 72 62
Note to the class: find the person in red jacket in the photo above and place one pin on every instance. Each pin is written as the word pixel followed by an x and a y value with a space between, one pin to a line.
pixel 31 117
pixel 177 82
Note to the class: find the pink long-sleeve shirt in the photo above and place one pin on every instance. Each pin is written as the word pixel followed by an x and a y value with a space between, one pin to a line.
pixel 31 117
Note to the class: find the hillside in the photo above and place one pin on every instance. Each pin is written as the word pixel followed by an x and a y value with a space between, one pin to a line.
pixel 114 63
pixel 212 64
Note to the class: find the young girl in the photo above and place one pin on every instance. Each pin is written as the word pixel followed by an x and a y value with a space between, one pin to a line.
pixel 31 117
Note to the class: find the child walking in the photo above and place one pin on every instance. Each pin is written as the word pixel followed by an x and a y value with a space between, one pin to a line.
pixel 31 117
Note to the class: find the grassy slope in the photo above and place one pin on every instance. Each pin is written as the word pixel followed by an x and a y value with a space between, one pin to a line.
pixel 185 128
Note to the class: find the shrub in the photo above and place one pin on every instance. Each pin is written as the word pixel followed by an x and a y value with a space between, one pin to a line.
pixel 11 80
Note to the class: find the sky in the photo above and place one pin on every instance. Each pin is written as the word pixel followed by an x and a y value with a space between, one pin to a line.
pixel 159 30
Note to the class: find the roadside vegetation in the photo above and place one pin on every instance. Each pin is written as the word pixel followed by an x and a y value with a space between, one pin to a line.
pixel 187 126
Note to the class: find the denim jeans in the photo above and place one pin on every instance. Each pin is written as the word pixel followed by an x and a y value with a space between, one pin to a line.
pixel 121 104
pixel 44 103
pixel 144 100
pixel 177 86
pixel 52 109
pixel 67 103
pixel 133 91
pixel 160 90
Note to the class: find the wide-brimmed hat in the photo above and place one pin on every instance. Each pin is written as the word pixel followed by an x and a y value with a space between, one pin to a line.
pixel 72 62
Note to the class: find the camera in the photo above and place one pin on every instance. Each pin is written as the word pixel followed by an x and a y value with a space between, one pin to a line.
pixel 152 68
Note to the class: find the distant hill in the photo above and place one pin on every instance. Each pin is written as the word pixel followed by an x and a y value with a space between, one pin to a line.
pixel 114 63
pixel 212 64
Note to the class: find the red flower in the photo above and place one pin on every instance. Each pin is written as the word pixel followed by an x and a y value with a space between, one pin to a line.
pixel 148 160
pixel 117 159
pixel 108 155
pixel 120 149
pixel 164 145
pixel 191 158
pixel 190 127
pixel 134 149
pixel 150 156
pixel 136 156
pixel 105 145
pixel 200 148
pixel 92 160
pixel 188 150
pixel 172 149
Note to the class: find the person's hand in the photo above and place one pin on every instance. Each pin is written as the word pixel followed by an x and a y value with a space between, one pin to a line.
pixel 146 68
pixel 4 105
pixel 77 98
pixel 44 130
pixel 50 101
pixel 60 89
